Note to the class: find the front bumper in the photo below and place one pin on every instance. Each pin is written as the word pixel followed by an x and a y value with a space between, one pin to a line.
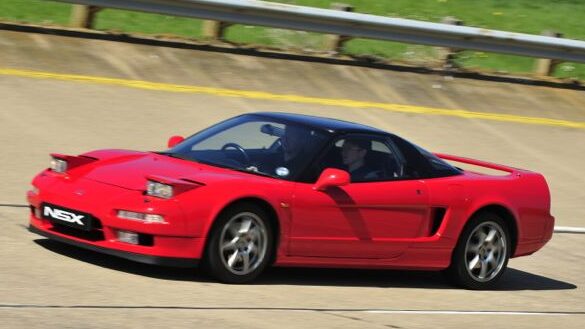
pixel 141 258
pixel 171 243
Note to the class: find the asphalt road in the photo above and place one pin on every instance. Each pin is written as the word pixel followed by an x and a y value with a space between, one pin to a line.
pixel 45 284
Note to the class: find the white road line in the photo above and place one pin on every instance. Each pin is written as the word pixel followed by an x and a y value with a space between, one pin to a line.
pixel 470 312
pixel 293 309
pixel 569 229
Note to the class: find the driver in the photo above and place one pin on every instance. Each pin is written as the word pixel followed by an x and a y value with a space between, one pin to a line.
pixel 353 154
pixel 294 141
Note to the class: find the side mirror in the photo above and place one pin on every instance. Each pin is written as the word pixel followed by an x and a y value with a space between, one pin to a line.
pixel 331 177
pixel 174 141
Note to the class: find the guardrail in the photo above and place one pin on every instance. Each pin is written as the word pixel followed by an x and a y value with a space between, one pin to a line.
pixel 349 24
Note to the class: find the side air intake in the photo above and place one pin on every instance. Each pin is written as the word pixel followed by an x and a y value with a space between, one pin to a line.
pixel 438 213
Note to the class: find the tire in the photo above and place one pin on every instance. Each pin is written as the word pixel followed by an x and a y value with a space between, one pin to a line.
pixel 241 244
pixel 482 253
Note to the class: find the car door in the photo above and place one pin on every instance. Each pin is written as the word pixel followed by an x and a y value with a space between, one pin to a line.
pixel 368 219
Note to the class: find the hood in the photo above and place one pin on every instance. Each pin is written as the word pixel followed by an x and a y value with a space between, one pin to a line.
pixel 130 171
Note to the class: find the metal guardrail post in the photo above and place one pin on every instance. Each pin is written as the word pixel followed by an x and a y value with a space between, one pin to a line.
pixel 448 55
pixel 214 30
pixel 335 42
pixel 545 66
pixel 83 16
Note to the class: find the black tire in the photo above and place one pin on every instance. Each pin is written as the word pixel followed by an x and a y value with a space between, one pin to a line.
pixel 226 251
pixel 477 264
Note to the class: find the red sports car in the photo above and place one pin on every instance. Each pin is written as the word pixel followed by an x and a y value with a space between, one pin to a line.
pixel 280 189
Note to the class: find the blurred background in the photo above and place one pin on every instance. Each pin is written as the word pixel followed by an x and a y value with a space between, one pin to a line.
pixel 76 78
pixel 564 17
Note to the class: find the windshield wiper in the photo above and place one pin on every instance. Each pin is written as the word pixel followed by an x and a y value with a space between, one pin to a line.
pixel 244 170
pixel 251 171
pixel 177 156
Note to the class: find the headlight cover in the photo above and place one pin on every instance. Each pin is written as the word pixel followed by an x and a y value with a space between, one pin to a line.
pixel 159 190
pixel 58 165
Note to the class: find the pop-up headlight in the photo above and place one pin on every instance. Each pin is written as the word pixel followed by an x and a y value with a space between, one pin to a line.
pixel 167 187
pixel 61 163
pixel 158 189
pixel 58 165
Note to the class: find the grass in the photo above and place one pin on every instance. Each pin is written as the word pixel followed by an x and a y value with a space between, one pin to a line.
pixel 525 16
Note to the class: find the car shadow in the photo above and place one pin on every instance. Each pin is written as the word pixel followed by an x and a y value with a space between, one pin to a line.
pixel 513 280
pixel 120 264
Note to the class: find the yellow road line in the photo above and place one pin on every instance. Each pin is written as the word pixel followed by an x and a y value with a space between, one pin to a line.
pixel 293 98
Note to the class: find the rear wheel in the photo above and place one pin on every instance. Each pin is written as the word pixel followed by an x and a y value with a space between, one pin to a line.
pixel 240 244
pixel 482 253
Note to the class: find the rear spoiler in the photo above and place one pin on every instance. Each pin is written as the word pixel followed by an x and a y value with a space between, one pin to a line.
pixel 480 163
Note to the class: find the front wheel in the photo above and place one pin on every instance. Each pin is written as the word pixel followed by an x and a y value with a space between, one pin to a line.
pixel 240 245
pixel 482 253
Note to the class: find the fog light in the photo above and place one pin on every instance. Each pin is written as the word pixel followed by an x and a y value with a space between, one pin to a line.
pixel 128 237
pixel 147 218
pixel 130 215
pixel 150 218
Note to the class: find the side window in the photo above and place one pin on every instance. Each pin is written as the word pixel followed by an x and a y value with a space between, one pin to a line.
pixel 366 158
pixel 415 164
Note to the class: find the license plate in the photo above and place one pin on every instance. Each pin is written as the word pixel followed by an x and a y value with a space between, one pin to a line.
pixel 65 216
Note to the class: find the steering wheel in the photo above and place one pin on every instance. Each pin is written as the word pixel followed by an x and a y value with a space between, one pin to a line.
pixel 239 148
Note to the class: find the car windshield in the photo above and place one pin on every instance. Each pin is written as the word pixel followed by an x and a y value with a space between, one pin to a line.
pixel 254 144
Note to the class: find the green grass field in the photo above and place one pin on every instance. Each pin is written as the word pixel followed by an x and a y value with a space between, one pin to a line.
pixel 526 16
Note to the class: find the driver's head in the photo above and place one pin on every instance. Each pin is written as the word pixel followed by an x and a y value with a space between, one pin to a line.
pixel 293 140
pixel 354 151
